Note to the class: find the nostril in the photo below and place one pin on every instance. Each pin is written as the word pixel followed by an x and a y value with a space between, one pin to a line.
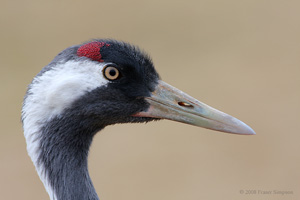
pixel 185 104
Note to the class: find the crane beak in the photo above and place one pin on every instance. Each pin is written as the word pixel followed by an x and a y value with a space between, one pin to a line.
pixel 167 102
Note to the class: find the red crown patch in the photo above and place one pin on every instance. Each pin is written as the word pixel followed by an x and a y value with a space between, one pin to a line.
pixel 92 50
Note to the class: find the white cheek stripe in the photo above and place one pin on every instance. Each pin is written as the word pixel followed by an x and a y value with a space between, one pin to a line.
pixel 49 95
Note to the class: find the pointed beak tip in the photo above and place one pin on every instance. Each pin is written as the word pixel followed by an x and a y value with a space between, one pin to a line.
pixel 247 130
pixel 251 132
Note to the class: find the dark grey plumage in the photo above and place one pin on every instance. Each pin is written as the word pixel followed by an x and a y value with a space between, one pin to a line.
pixel 65 139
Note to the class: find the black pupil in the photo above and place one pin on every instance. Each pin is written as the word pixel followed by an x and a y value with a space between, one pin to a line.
pixel 112 72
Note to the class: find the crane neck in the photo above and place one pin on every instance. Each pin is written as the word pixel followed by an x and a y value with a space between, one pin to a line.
pixel 63 157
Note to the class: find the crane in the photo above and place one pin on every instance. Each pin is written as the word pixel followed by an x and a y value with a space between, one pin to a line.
pixel 89 86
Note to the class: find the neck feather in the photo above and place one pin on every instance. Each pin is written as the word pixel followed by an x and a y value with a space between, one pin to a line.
pixel 62 158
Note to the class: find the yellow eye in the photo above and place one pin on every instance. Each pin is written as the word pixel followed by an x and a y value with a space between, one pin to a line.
pixel 111 73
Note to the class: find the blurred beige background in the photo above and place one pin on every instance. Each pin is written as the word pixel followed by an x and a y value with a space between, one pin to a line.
pixel 239 56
